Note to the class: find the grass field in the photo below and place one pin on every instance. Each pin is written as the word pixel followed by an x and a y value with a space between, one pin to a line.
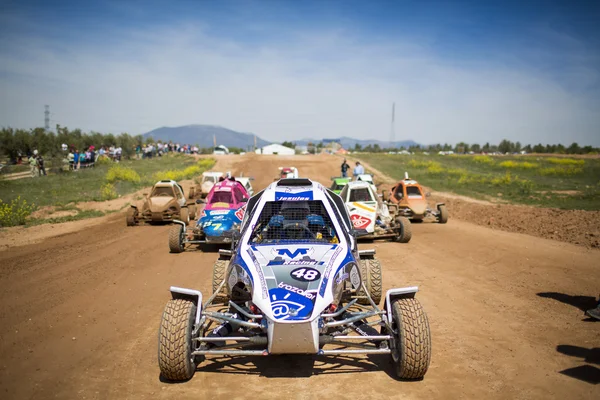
pixel 567 183
pixel 104 182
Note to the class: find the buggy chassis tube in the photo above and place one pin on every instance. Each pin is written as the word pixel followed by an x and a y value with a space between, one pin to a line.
pixel 392 294
pixel 186 240
pixel 193 295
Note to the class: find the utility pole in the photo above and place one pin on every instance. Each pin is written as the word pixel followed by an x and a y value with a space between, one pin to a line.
pixel 215 140
pixel 47 118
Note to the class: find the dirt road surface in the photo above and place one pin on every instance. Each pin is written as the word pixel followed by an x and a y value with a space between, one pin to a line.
pixel 80 315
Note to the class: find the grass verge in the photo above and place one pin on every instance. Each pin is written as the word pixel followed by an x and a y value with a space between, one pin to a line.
pixel 541 181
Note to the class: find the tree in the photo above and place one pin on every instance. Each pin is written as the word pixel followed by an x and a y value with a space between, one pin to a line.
pixel 574 149
pixel 357 147
pixel 475 148
pixel 505 146
pixel 289 144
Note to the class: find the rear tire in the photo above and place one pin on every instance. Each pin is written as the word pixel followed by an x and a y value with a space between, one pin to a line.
pixel 371 274
pixel 219 269
pixel 184 215
pixel 412 353
pixel 405 234
pixel 175 358
pixel 443 217
pixel 131 214
pixel 176 238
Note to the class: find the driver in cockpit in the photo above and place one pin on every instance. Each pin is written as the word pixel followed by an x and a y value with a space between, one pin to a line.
pixel 294 221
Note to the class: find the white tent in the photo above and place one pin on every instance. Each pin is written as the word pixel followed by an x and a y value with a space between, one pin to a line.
pixel 276 149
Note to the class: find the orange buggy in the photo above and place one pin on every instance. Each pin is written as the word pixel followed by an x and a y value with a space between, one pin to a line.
pixel 411 200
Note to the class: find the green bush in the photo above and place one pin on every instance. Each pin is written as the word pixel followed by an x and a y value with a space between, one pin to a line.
pixel 15 212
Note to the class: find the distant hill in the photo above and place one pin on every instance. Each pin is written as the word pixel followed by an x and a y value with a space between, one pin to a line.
pixel 203 136
pixel 348 143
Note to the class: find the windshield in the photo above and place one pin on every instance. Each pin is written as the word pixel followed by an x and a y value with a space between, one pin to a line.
pixel 413 192
pixel 293 221
pixel 338 186
pixel 210 179
pixel 162 191
pixel 361 194
pixel 221 197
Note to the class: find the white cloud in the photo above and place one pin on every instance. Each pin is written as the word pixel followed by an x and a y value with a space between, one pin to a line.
pixel 319 84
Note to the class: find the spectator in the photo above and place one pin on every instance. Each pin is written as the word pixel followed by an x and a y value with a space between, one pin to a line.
pixel 40 164
pixel 33 164
pixel 71 158
pixel 138 152
pixel 345 168
pixel 76 160
pixel 358 170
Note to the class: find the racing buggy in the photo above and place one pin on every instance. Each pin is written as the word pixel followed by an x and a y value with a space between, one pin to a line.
pixel 368 212
pixel 208 181
pixel 223 213
pixel 411 201
pixel 294 283
pixel 338 184
pixel 287 172
pixel 166 203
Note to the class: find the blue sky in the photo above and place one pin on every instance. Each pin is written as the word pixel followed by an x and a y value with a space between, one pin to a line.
pixel 474 71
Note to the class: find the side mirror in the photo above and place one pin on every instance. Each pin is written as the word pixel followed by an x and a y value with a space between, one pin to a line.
pixel 200 201
pixel 360 232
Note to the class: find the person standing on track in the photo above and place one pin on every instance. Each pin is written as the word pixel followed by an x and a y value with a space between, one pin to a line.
pixel 358 170
pixel 345 168
pixel 40 165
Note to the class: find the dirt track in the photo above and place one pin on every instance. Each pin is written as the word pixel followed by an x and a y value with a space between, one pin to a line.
pixel 80 315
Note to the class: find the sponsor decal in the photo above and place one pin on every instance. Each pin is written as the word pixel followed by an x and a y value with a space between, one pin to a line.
pixel 359 221
pixel 289 305
pixel 294 289
pixel 203 214
pixel 261 275
pixel 233 278
pixel 305 274
pixel 240 213
pixel 219 212
pixel 300 196
pixel 355 277
pixel 341 277
pixel 293 254
pixel 327 271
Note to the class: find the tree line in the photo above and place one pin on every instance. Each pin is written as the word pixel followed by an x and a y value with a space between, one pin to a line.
pixel 15 143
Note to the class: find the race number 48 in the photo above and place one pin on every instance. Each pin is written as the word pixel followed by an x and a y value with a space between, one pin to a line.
pixel 305 274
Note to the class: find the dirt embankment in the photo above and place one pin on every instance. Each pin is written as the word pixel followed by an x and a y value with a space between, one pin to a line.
pixel 572 226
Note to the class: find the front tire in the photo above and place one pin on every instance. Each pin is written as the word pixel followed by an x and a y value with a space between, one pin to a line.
pixel 176 238
pixel 131 214
pixel 175 358
pixel 443 217
pixel 370 271
pixel 219 269
pixel 405 234
pixel 412 353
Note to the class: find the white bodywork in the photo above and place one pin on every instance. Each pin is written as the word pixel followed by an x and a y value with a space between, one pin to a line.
pixel 256 258
pixel 363 205
pixel 245 181
pixel 208 181
pixel 293 174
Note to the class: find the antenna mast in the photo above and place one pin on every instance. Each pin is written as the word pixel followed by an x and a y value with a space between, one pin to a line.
pixel 47 118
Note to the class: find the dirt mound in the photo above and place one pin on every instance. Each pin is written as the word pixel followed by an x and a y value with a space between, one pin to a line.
pixel 572 226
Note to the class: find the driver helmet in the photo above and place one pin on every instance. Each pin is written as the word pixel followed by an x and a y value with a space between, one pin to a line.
pixel 295 210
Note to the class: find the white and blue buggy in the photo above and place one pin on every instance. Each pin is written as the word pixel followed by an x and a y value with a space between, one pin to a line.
pixel 294 283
